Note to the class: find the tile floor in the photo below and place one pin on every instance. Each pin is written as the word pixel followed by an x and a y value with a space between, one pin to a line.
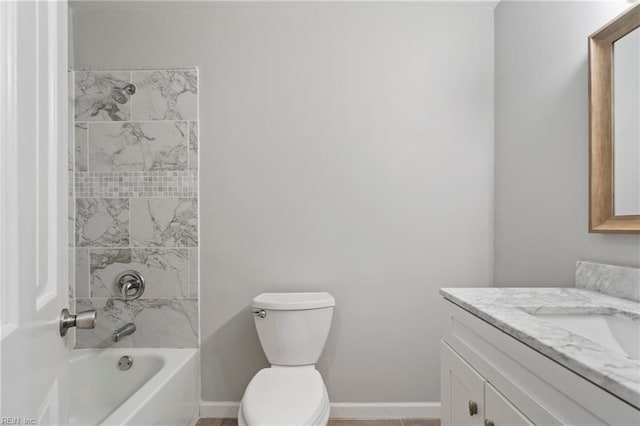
pixel 339 422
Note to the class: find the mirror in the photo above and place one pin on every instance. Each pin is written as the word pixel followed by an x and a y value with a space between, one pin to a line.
pixel 614 113
pixel 626 124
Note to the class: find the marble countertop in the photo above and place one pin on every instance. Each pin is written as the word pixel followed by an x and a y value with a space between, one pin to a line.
pixel 510 309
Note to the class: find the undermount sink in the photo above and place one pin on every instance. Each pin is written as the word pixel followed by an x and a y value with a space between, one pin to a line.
pixel 613 331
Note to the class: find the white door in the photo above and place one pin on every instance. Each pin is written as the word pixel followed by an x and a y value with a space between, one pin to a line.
pixel 33 211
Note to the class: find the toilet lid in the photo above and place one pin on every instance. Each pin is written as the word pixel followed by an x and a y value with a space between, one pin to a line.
pixel 284 396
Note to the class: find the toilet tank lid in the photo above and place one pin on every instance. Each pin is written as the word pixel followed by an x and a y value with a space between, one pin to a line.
pixel 293 301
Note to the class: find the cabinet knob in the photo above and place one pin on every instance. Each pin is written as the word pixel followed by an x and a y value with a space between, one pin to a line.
pixel 473 408
pixel 488 422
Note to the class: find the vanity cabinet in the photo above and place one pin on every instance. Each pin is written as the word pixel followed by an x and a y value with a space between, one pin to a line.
pixel 490 378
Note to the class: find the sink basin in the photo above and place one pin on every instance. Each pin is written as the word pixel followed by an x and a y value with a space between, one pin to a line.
pixel 616 332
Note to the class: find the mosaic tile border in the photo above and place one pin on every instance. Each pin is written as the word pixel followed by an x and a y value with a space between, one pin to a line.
pixel 134 184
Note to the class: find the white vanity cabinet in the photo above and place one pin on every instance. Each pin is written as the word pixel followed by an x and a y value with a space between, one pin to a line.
pixel 489 378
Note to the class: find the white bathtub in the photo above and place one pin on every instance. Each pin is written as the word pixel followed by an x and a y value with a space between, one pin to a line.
pixel 160 388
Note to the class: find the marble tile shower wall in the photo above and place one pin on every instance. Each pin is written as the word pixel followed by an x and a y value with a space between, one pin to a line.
pixel 134 203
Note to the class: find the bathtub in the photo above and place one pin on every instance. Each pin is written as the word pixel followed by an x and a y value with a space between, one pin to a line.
pixel 160 388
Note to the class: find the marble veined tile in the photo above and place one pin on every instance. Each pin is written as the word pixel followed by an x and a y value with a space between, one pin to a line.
pixel 99 96
pixel 112 314
pixel 104 267
pixel 165 323
pixel 193 145
pixel 138 146
pixel 82 272
pixel 102 222
pixel 81 148
pixel 165 95
pixel 165 270
pixel 164 222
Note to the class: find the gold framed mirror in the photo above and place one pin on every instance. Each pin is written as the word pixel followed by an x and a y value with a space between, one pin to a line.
pixel 614 119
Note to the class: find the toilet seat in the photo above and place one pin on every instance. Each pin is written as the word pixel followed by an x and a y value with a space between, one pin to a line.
pixel 285 396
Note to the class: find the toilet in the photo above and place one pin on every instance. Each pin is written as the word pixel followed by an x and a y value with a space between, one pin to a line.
pixel 293 328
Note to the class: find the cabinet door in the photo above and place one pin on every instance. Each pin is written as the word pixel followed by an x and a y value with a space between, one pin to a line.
pixel 499 411
pixel 462 390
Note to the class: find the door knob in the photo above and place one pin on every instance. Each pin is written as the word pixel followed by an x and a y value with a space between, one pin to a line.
pixel 85 319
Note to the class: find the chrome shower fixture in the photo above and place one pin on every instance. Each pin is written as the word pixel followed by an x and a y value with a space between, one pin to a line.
pixel 129 89
pixel 126 330
pixel 130 284
pixel 121 95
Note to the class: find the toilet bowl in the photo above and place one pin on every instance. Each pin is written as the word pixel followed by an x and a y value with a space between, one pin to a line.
pixel 293 328
pixel 285 396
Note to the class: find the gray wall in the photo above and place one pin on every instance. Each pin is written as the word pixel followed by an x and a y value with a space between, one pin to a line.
pixel 541 146
pixel 346 148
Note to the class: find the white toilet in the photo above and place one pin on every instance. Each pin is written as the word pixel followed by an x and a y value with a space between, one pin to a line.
pixel 293 328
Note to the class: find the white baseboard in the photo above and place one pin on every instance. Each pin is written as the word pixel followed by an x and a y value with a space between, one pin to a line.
pixel 351 410
pixel 384 410
pixel 219 409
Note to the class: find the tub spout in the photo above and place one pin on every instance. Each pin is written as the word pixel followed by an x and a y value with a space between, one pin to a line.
pixel 123 331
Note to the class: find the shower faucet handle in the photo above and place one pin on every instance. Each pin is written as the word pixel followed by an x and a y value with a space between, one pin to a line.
pixel 129 89
pixel 84 319
pixel 130 284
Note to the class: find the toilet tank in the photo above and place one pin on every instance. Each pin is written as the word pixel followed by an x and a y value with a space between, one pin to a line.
pixel 293 327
